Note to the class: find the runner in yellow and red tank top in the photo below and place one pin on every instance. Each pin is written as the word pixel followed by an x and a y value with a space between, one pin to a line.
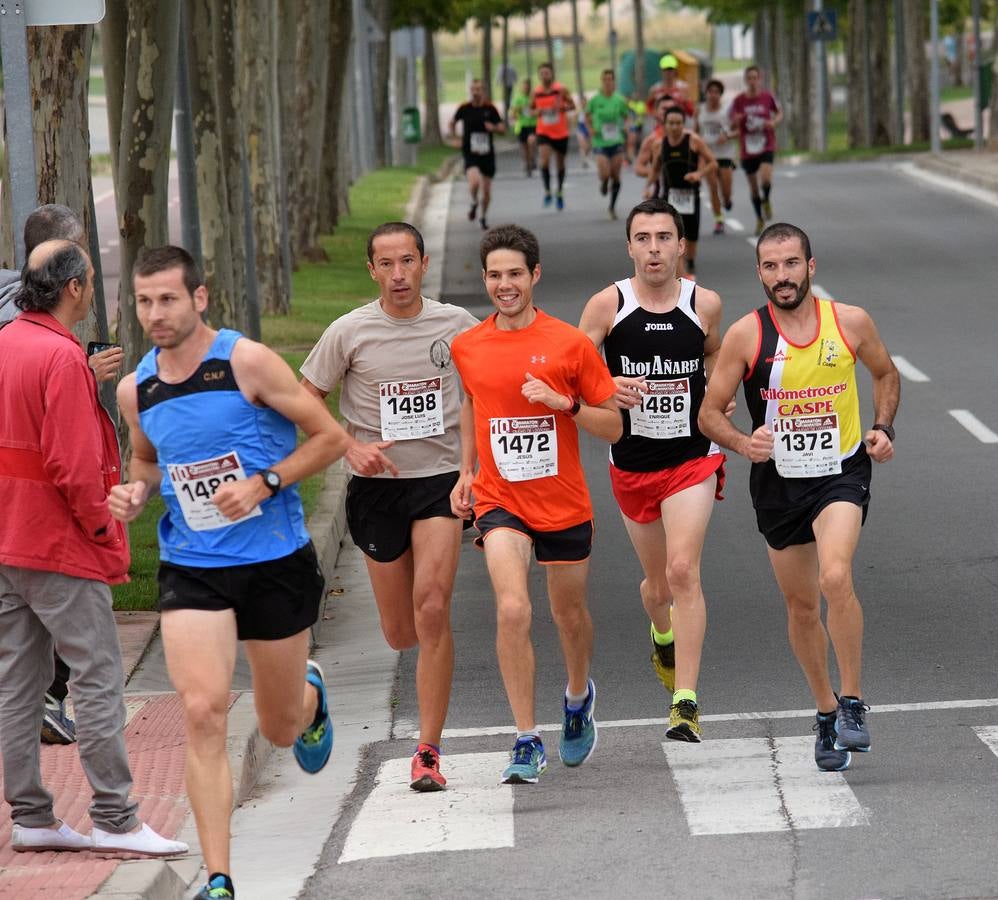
pixel 551 105
pixel 810 480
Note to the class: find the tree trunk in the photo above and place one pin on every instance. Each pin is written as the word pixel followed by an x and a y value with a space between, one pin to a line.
pixel 577 48
pixel 142 175
pixel 781 83
pixel 916 74
pixel 338 47
pixel 800 86
pixel 506 92
pixel 114 42
pixel 232 143
pixel 202 20
pixel 59 64
pixel 881 94
pixel 486 26
pixel 640 75
pixel 310 129
pixel 380 10
pixel 548 41
pixel 856 50
pixel 291 24
pixel 960 58
pixel 993 107
pixel 256 24
pixel 431 91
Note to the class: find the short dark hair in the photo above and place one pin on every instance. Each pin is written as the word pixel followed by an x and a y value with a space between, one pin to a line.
pixel 546 65
pixel 714 83
pixel 752 68
pixel 784 231
pixel 656 207
pixel 42 284
pixel 51 222
pixel 153 260
pixel 674 109
pixel 608 72
pixel 665 98
pixel 512 237
pixel 395 228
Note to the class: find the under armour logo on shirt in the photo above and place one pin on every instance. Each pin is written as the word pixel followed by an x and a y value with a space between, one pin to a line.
pixel 538 359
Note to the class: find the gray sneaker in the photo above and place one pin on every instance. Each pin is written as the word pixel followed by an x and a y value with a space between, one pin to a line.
pixel 826 756
pixel 850 725
pixel 57 727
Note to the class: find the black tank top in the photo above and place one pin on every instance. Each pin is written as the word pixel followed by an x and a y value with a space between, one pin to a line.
pixel 677 162
pixel 667 349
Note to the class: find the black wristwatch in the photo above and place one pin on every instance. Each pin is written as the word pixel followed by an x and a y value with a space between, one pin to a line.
pixel 573 410
pixel 272 480
pixel 886 429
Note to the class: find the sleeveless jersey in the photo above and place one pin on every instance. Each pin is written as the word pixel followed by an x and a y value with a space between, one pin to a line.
pixel 677 162
pixel 667 349
pixel 807 394
pixel 206 433
pixel 552 120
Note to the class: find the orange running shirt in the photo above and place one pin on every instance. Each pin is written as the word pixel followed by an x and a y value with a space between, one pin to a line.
pixel 529 440
pixel 552 120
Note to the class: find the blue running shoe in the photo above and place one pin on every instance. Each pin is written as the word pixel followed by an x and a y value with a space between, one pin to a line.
pixel 216 889
pixel 560 202
pixel 315 743
pixel 578 734
pixel 526 763
pixel 547 200
pixel 827 757
pixel 850 727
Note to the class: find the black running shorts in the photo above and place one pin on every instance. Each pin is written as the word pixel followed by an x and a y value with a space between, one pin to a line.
pixel 485 164
pixel 272 600
pixel 559 145
pixel 566 546
pixel 380 511
pixel 751 163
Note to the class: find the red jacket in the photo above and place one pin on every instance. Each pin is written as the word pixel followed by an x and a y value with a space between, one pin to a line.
pixel 58 457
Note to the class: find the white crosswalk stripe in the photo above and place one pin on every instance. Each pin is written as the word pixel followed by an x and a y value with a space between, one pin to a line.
pixel 474 813
pixel 988 734
pixel 752 785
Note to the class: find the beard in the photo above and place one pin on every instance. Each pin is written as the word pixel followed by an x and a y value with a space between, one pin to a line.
pixel 802 291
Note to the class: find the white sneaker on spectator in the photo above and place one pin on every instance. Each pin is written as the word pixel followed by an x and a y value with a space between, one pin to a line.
pixel 144 841
pixel 24 839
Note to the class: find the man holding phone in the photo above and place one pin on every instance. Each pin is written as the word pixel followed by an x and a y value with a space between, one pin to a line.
pixel 51 222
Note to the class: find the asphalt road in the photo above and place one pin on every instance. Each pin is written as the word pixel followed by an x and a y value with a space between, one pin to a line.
pixel 745 814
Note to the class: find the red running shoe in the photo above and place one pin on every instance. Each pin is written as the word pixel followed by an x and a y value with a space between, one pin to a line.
pixel 426 770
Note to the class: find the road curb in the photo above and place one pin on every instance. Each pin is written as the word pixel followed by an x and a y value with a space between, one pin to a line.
pixel 939 164
pixel 143 880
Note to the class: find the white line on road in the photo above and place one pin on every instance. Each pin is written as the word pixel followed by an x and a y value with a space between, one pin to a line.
pixel 751 241
pixel 474 813
pixel 749 785
pixel 107 195
pixel 988 734
pixel 974 425
pixel 789 174
pixel 819 291
pixel 908 370
pixel 734 224
pixel 950 185
pixel 929 706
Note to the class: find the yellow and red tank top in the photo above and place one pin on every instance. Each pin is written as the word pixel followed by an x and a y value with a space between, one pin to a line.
pixel 806 393
pixel 552 120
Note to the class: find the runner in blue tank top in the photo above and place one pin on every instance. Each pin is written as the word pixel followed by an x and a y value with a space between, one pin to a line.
pixel 212 418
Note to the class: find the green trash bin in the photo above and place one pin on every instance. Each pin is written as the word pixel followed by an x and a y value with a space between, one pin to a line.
pixel 987 71
pixel 411 130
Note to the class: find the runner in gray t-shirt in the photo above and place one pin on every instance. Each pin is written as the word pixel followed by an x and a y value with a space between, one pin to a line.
pixel 401 400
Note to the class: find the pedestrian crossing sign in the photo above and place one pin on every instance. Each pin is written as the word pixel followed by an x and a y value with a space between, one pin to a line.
pixel 823 26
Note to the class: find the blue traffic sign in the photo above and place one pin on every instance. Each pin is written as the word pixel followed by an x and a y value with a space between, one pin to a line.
pixel 823 26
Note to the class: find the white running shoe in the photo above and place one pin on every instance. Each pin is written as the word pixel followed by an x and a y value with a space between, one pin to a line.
pixel 24 839
pixel 145 841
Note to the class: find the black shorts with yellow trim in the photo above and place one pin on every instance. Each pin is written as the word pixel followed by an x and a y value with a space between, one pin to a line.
pixel 569 545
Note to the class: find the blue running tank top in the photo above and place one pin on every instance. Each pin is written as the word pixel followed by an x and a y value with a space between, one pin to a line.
pixel 206 433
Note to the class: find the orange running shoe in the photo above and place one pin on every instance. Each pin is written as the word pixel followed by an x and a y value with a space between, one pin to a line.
pixel 426 770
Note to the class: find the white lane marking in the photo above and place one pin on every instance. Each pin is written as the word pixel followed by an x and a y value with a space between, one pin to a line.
pixel 734 224
pixel 929 706
pixel 974 425
pixel 819 291
pixel 988 734
pixel 113 243
pixel 908 370
pixel 747 785
pixel 107 195
pixel 751 241
pixel 475 812
pixel 950 185
pixel 787 174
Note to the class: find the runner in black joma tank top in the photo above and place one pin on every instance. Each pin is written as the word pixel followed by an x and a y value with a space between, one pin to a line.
pixel 668 350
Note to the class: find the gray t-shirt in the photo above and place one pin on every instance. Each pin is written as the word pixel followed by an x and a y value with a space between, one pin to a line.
pixel 10 284
pixel 398 382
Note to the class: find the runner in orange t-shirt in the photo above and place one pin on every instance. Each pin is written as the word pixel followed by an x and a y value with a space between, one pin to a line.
pixel 530 380
pixel 551 104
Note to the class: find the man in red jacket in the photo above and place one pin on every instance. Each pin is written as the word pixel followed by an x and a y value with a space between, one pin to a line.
pixel 59 551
